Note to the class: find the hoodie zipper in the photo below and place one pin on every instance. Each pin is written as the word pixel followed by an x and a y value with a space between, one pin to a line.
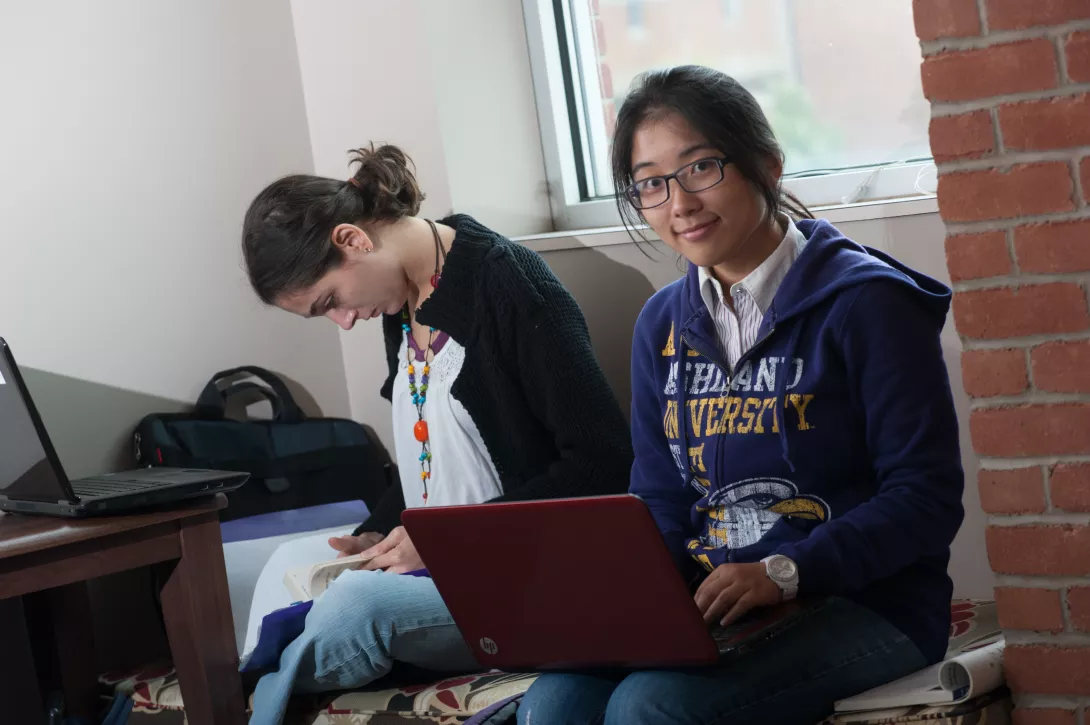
pixel 727 368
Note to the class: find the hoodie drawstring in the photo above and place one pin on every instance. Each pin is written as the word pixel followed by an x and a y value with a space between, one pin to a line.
pixel 781 391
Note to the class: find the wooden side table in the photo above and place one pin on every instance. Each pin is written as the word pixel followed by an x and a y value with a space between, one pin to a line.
pixel 45 562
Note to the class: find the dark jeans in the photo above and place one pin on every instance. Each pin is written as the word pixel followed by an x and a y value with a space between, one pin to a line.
pixel 841 650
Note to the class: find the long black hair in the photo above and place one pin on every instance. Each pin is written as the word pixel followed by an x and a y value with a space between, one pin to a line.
pixel 286 236
pixel 721 110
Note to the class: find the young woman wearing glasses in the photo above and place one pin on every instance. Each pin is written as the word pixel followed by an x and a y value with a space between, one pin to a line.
pixel 793 425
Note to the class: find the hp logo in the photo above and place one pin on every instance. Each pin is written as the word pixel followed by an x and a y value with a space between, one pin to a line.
pixel 488 646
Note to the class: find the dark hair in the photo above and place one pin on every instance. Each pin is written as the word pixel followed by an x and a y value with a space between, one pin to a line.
pixel 286 236
pixel 720 110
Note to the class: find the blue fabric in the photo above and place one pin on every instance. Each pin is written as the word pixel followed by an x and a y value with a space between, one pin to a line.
pixel 355 632
pixel 294 521
pixel 844 649
pixel 278 630
pixel 834 441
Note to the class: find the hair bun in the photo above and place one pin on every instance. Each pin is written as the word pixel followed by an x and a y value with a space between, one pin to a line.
pixel 386 182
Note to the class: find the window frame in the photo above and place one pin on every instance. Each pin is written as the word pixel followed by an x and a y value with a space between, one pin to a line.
pixel 869 192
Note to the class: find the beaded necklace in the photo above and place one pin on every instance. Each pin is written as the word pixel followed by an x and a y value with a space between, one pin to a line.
pixel 420 393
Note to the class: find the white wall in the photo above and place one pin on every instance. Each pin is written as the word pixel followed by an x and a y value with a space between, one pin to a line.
pixel 133 136
pixel 424 75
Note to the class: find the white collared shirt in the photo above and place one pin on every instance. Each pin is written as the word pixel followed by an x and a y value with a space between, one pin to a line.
pixel 736 329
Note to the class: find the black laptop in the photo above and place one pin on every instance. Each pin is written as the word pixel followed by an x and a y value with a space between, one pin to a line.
pixel 33 481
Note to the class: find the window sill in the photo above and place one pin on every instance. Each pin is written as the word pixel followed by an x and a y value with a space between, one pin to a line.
pixel 840 213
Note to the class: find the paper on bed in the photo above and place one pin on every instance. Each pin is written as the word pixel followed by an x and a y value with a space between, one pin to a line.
pixel 310 581
pixel 964 676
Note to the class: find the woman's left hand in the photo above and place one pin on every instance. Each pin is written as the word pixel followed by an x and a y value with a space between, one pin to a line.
pixel 731 590
pixel 395 554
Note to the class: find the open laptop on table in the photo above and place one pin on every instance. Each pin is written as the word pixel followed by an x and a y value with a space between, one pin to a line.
pixel 571 583
pixel 33 481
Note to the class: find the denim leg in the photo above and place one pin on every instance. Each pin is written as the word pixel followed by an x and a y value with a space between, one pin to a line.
pixel 794 679
pixel 356 631
pixel 839 651
pixel 567 699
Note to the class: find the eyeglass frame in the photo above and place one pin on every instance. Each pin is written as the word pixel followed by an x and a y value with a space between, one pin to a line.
pixel 720 161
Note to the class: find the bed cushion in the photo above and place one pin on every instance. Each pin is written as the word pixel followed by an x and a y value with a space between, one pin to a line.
pixel 451 700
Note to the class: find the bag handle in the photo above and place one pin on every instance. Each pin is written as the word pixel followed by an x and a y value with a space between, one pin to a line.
pixel 266 393
pixel 212 402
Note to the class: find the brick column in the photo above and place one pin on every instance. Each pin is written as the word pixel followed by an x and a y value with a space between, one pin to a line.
pixel 1009 83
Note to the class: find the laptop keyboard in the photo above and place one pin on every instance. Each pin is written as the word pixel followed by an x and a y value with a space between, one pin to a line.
pixel 91 488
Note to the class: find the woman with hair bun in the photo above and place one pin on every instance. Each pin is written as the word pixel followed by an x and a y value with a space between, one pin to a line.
pixel 496 395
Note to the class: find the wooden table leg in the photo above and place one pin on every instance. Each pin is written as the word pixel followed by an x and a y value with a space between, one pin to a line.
pixel 20 697
pixel 62 634
pixel 197 614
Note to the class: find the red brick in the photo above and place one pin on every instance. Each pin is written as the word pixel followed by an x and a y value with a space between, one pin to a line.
pixel 1037 610
pixel 975 256
pixel 1055 247
pixel 1039 550
pixel 606 77
pixel 1044 716
pixel 1052 123
pixel 1070 485
pixel 1078 605
pixel 1021 491
pixel 1025 190
pixel 987 373
pixel 610 110
pixel 1062 367
pixel 946 18
pixel 1031 430
pixel 1016 14
pixel 1047 670
pixel 1001 312
pixel 1077 48
pixel 964 75
pixel 967 136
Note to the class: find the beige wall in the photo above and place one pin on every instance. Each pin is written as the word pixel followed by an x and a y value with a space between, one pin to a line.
pixel 462 107
pixel 133 136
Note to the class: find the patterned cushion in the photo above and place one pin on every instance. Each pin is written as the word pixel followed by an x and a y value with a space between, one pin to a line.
pixel 451 701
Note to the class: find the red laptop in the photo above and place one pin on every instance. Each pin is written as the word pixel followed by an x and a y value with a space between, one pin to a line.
pixel 572 583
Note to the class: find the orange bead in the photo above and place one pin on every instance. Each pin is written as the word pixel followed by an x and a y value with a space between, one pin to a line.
pixel 420 430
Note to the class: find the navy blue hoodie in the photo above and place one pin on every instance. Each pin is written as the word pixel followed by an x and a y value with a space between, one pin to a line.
pixel 834 441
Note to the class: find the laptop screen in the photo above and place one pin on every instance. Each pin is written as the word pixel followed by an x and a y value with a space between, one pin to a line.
pixel 25 470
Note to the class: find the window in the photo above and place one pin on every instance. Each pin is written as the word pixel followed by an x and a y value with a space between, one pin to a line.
pixel 839 80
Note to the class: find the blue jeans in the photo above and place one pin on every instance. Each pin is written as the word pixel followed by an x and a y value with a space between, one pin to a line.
pixel 355 632
pixel 839 651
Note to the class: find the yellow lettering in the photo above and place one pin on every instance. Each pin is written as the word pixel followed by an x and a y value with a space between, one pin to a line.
pixel 669 421
pixel 696 459
pixel 668 351
pixel 800 402
pixel 696 413
pixel 726 424
pixel 748 415
pixel 692 353
pixel 714 404
pixel 770 403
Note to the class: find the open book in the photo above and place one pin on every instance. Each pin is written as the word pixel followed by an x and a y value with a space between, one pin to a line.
pixel 964 676
pixel 305 583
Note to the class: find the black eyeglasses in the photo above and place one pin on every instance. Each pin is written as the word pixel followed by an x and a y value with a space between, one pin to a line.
pixel 655 190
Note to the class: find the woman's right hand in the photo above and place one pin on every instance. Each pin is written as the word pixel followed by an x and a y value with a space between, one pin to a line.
pixel 352 545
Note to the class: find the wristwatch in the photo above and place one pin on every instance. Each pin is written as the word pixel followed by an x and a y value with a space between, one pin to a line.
pixel 784 573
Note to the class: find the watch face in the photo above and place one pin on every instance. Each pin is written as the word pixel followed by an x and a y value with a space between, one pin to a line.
pixel 782 569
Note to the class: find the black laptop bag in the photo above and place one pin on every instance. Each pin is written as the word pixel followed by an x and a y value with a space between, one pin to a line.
pixel 294 461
